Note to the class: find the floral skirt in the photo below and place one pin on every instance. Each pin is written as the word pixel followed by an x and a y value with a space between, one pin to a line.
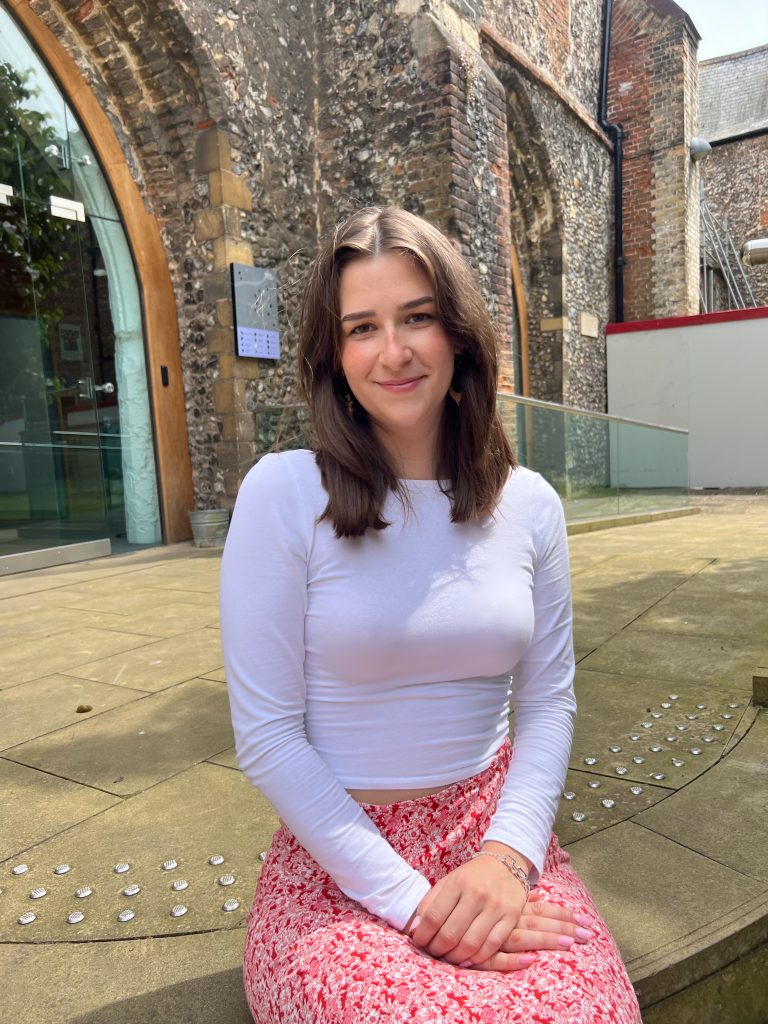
pixel 314 956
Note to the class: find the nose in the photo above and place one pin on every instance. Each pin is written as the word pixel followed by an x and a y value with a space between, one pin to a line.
pixel 395 351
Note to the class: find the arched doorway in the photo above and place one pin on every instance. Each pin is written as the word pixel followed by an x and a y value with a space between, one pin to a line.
pixel 77 461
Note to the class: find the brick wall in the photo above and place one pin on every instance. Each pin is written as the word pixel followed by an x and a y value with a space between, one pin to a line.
pixel 653 94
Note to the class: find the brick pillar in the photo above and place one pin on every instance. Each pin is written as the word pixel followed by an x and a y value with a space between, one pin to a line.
pixel 653 93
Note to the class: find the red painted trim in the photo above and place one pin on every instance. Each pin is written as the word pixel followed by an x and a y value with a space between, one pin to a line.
pixel 721 317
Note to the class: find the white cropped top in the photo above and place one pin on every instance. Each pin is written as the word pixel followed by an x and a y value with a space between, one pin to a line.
pixel 384 662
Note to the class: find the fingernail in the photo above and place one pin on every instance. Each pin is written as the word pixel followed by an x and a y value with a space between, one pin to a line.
pixel 527 959
pixel 583 934
pixel 582 919
pixel 467 963
pixel 565 941
pixel 414 924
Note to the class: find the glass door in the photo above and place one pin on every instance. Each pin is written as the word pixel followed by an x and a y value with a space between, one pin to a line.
pixel 76 446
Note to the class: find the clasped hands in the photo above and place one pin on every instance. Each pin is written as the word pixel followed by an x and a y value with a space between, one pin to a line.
pixel 478 916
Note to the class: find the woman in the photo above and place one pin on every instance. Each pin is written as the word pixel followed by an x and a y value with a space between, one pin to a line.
pixel 376 596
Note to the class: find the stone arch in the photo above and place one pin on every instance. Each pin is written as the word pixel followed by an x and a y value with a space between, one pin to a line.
pixel 537 238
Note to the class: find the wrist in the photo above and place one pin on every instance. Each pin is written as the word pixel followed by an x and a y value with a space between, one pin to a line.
pixel 493 846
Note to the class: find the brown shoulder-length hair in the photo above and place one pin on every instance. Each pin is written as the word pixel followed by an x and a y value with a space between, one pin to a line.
pixel 474 456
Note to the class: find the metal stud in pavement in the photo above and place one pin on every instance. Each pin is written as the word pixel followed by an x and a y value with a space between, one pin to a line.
pixel 132 890
pixel 179 884
pixel 635 790
pixel 621 770
pixel 263 856
pixel 20 869
pixel 83 892
pixel 170 864
pixel 726 715
pixel 578 815
pixel 569 795
pixel 61 869
pixel 38 893
pixel 230 905
pixel 639 759
pixel 121 868
pixel 590 760
pixel 126 915
pixel 608 803
pixel 216 859
pixel 718 727
pixel 594 784
pixel 179 910
pixel 634 736
pixel 27 917
pixel 695 750
pixel 615 749
pixel 76 917
pixel 227 879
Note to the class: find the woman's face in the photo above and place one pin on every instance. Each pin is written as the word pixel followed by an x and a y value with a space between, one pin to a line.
pixel 396 355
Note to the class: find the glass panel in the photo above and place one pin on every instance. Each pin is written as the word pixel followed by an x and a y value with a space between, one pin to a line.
pixel 51 485
pixel 599 465
pixel 51 155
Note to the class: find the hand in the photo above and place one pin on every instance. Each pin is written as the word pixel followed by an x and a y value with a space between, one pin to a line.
pixel 541 926
pixel 470 913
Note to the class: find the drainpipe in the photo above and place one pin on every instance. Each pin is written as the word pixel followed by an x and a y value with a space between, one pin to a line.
pixel 616 132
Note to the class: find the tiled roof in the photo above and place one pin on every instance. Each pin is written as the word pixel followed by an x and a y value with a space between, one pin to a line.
pixel 733 94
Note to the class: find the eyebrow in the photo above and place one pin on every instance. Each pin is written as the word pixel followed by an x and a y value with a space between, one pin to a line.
pixel 406 305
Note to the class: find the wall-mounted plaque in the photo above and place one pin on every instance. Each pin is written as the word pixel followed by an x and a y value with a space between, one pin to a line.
pixel 254 300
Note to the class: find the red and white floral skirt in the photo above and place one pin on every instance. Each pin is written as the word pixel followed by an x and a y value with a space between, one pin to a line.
pixel 314 956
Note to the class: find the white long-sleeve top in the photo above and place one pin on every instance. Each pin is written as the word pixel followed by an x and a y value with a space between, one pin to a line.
pixel 384 662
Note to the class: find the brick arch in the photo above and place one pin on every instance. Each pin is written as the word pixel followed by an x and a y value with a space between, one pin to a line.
pixel 153 75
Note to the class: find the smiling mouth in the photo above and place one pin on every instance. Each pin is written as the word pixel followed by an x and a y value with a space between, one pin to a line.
pixel 399 385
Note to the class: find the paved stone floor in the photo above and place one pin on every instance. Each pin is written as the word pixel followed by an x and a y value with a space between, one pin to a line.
pixel 115 747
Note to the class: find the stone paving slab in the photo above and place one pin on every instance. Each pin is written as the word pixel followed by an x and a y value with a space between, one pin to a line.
pixel 130 748
pixel 725 814
pixel 637 714
pixel 37 805
pixel 172 618
pixel 665 890
pixel 592 802
pixel 35 623
pixel 226 758
pixel 35 708
pixel 58 653
pixel 203 812
pixel 190 979
pixel 689 611
pixel 116 598
pixel 727 664
pixel 158 664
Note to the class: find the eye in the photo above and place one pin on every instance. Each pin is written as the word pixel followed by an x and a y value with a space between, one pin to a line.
pixel 420 318
pixel 361 329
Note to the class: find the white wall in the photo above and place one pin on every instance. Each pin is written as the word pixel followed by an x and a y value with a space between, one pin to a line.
pixel 709 377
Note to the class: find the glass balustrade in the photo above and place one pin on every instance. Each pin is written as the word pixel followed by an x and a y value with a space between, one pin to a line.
pixel 600 465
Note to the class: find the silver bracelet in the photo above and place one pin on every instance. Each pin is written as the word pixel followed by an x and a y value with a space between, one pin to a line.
pixel 512 865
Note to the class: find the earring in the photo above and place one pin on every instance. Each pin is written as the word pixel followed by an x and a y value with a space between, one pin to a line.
pixel 350 406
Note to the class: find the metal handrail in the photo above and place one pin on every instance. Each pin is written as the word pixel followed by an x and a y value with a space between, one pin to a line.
pixel 588 412
pixel 536 402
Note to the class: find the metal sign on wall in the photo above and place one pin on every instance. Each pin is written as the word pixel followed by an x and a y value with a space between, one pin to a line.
pixel 254 299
